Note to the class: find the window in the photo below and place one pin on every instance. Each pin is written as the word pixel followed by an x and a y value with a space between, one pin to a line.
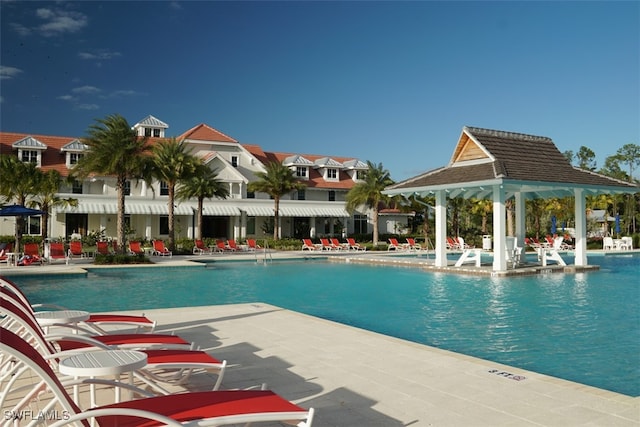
pixel 301 194
pixel 31 225
pixel 75 157
pixel 77 187
pixel 251 225
pixel 156 133
pixel 127 188
pixel 147 132
pixel 251 194
pixel 164 225
pixel 30 156
pixel 234 161
pixel 332 195
pixel 301 171
pixel 360 174
pixel 164 188
pixel 332 173
pixel 360 224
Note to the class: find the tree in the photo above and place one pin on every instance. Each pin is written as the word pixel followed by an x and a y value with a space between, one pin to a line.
pixel 48 185
pixel 172 163
pixel 18 182
pixel 629 154
pixel 369 193
pixel 204 184
pixel 115 150
pixel 482 207
pixel 276 182
pixel 586 158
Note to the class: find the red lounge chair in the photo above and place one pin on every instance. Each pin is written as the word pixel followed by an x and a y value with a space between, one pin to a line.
pixel 452 244
pixel 4 249
pixel 355 246
pixel 31 254
pixel 222 247
pixel 309 245
pixel 179 361
pixel 212 407
pixel 335 244
pixel 94 321
pixel 160 249
pixel 252 245
pixel 12 306
pixel 135 248
pixel 231 244
pixel 395 246
pixel 413 246
pixel 200 248
pixel 326 245
pixel 75 249
pixel 57 253
pixel 103 248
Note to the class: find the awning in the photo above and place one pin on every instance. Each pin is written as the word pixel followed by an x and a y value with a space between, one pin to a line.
pixel 333 212
pixel 258 210
pixel 218 210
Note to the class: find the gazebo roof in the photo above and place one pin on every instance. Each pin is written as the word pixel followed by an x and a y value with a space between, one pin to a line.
pixel 520 163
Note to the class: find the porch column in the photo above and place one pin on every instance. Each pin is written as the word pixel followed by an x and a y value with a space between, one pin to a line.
pixel 520 218
pixel 581 227
pixel 441 229
pixel 147 227
pixel 236 228
pixel 312 227
pixel 499 229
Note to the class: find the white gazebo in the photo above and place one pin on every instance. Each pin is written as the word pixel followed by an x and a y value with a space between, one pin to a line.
pixel 499 165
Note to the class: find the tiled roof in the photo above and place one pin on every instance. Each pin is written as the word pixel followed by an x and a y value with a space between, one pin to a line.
pixel 484 155
pixel 204 132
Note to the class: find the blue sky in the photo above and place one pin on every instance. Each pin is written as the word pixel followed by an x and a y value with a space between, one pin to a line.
pixel 390 82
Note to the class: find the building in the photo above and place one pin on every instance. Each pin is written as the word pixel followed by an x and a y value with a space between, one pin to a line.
pixel 318 210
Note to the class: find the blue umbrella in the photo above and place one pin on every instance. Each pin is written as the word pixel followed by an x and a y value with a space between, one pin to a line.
pixel 617 224
pixel 554 224
pixel 18 210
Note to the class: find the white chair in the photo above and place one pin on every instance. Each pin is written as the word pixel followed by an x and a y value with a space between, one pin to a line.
pixel 513 252
pixel 607 244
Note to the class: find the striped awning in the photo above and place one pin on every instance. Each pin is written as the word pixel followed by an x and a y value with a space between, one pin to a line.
pixel 258 210
pixel 220 210
pixel 332 212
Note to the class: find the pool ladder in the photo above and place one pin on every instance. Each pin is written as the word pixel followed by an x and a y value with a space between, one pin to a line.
pixel 266 253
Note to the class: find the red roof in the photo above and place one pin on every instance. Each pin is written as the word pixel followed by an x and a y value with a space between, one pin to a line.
pixel 204 132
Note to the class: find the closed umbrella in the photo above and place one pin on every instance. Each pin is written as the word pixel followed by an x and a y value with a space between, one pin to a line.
pixel 18 210
pixel 617 226
pixel 554 224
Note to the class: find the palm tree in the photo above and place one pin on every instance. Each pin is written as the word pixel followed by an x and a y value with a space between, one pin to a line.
pixel 173 162
pixel 204 184
pixel 276 182
pixel 18 182
pixel 115 150
pixel 47 197
pixel 369 193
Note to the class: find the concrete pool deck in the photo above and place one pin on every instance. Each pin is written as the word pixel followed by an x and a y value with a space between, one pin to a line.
pixel 355 377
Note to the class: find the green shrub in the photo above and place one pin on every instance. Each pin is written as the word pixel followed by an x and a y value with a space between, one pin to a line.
pixel 121 259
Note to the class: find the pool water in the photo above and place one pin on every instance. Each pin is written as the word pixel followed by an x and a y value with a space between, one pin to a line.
pixel 582 327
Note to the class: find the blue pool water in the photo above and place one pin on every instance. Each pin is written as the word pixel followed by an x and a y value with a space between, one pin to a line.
pixel 581 327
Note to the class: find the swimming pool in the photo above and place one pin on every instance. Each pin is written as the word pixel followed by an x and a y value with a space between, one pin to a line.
pixel 581 327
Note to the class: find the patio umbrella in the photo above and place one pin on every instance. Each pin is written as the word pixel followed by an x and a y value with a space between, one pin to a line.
pixel 554 224
pixel 617 229
pixel 16 211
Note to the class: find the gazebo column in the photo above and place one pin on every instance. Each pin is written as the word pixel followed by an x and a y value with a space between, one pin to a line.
pixel 441 229
pixel 581 227
pixel 499 229
pixel 520 214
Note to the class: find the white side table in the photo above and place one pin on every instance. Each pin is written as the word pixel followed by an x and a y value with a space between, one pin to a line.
pixel 102 363
pixel 49 318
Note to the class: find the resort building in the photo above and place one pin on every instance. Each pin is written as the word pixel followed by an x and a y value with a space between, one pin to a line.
pixel 317 210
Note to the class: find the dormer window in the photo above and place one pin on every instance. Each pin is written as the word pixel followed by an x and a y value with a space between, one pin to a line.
pixel 30 150
pixel 332 173
pixel 74 158
pixel 301 171
pixel 360 174
pixel 74 152
pixel 235 161
pixel 29 156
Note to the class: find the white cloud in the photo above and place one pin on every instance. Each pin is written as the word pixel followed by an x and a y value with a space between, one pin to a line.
pixel 87 106
pixel 86 90
pixel 8 72
pixel 60 22
pixel 99 54
pixel 67 98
